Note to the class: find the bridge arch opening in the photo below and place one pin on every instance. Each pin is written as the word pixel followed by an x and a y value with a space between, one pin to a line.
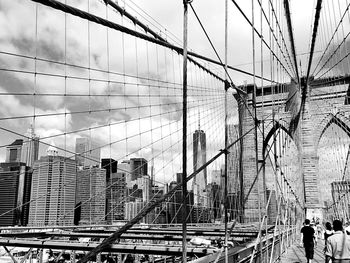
pixel 281 151
pixel 333 149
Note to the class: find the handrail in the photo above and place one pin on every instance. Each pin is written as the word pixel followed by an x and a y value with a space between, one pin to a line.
pixel 243 254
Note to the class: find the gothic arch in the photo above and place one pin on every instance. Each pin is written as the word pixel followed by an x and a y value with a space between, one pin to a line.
pixel 336 119
pixel 274 129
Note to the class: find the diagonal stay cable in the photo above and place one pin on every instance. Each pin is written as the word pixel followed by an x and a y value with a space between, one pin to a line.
pixel 260 36
pixel 225 69
pixel 275 37
pixel 314 35
pixel 291 36
pixel 330 41
pixel 85 15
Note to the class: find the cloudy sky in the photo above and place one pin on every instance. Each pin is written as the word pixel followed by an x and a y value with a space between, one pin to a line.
pixel 122 92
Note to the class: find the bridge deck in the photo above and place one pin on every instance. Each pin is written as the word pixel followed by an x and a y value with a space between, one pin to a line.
pixel 296 254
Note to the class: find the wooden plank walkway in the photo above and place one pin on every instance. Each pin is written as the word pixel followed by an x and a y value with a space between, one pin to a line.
pixel 296 254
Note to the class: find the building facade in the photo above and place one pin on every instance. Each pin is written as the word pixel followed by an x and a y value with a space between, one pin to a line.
pixel 200 181
pixel 91 195
pixel 14 151
pixel 87 152
pixel 53 190
pixel 15 186
pixel 30 148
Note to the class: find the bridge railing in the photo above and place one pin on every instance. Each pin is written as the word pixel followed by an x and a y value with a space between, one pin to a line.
pixel 269 249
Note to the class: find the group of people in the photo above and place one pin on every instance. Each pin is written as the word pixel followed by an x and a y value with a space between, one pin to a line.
pixel 337 242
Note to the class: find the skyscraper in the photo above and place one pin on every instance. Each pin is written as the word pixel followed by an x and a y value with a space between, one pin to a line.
pixel 87 152
pixel 15 183
pixel 144 183
pixel 53 190
pixel 138 168
pixel 118 196
pixel 111 167
pixel 30 148
pixel 200 181
pixel 91 195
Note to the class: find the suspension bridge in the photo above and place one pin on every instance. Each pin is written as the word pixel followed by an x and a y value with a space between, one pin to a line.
pixel 171 131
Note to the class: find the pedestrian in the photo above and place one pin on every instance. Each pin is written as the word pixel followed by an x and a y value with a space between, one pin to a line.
pixel 308 239
pixel 315 232
pixel 338 244
pixel 328 232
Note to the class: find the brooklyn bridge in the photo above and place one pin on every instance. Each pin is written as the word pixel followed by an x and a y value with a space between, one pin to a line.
pixel 171 131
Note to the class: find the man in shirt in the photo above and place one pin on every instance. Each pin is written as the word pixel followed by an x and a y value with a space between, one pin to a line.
pixel 338 245
pixel 307 239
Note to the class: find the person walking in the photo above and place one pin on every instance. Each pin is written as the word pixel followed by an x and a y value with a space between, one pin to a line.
pixel 338 244
pixel 308 240
pixel 328 232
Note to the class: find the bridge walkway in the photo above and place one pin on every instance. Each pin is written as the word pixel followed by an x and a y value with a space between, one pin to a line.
pixel 296 254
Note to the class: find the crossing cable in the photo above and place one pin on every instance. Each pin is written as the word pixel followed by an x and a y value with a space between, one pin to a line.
pixel 151 205
pixel 336 64
pixel 153 142
pixel 334 56
pixel 225 66
pixel 150 18
pixel 82 14
pixel 157 36
pixel 108 187
pixel 85 15
pixel 122 11
pixel 314 34
pixel 274 36
pixel 96 19
pixel 260 36
pixel 84 68
pixel 329 42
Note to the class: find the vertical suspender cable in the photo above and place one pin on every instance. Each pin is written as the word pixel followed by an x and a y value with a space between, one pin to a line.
pixel 226 132
pixel 255 116
pixel 184 135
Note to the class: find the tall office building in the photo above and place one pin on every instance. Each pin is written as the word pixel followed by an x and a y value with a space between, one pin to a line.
pixel 87 152
pixel 30 148
pixel 14 151
pixel 215 200
pixel 91 195
pixel 200 181
pixel 118 196
pixel 144 183
pixel 160 212
pixel 138 168
pixel 175 206
pixel 111 166
pixel 15 184
pixel 124 167
pixel 53 190
pixel 233 165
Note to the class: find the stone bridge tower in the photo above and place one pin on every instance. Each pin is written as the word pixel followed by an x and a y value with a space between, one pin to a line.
pixel 304 117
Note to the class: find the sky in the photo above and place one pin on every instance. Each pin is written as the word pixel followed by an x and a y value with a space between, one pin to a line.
pixel 138 106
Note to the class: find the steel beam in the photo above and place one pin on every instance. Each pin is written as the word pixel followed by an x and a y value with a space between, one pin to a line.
pixel 132 248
